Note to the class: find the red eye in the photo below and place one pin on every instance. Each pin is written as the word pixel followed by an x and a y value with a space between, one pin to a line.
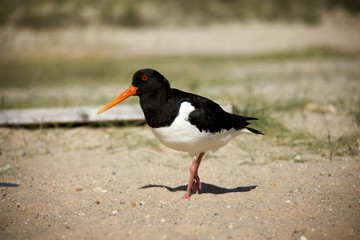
pixel 145 77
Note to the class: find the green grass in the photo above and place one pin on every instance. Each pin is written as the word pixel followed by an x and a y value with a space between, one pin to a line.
pixel 329 147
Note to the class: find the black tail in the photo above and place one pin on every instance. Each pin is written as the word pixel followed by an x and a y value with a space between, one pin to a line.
pixel 254 131
pixel 251 129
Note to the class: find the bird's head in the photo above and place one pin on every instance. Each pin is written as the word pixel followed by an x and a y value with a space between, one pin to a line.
pixel 145 81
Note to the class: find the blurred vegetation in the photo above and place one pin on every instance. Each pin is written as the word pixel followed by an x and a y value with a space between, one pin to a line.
pixel 58 71
pixel 46 14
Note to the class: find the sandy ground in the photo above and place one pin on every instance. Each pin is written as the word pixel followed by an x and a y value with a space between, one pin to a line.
pixel 120 183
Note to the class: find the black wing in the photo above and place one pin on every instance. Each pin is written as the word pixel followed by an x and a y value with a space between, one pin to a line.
pixel 209 116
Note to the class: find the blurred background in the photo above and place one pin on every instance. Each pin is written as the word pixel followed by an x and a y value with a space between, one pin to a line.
pixel 78 53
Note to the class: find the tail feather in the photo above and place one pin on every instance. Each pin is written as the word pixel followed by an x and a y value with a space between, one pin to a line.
pixel 254 131
pixel 251 118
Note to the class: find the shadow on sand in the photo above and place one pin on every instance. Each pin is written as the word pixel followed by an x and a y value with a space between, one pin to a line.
pixel 5 184
pixel 205 188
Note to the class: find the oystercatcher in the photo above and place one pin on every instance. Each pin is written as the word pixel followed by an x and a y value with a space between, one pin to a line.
pixel 183 121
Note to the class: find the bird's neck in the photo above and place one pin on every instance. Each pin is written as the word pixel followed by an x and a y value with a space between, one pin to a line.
pixel 158 110
pixel 151 101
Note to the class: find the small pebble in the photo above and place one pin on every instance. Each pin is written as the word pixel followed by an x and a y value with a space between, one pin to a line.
pixel 122 202
pixel 288 201
pixel 78 189
pixel 215 214
pixel 97 202
pixel 272 184
pixel 316 190
pixel 133 204
pixel 98 189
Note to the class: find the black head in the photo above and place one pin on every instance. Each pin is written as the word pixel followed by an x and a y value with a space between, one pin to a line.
pixel 149 81
pixel 148 84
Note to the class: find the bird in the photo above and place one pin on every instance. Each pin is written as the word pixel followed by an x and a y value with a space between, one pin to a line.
pixel 183 121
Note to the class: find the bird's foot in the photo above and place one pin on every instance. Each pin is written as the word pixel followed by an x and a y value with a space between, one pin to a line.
pixel 186 196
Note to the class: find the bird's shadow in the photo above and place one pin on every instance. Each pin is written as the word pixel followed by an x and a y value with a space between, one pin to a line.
pixel 6 184
pixel 205 188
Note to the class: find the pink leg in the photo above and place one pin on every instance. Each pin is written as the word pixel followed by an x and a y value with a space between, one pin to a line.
pixel 194 180
pixel 196 186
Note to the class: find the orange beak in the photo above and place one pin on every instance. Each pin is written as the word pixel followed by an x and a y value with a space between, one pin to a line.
pixel 127 93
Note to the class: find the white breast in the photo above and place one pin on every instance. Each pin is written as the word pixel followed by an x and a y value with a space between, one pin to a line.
pixel 181 135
